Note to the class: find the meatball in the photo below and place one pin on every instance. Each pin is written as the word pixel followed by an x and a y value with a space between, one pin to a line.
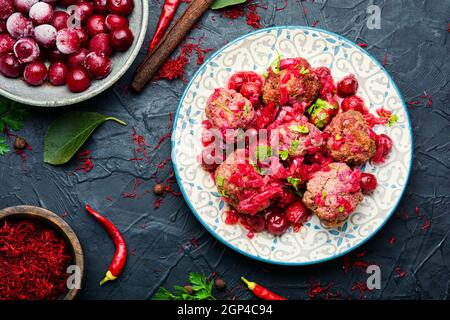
pixel 291 86
pixel 349 140
pixel 298 139
pixel 228 109
pixel 333 193
pixel 242 186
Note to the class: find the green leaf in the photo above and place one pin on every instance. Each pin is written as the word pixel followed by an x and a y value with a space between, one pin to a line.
pixel 392 120
pixel 163 294
pixel 284 154
pixel 4 148
pixel 219 4
pixel 304 71
pixel 12 114
pixel 69 132
pixel 338 136
pixel 294 146
pixel 220 180
pixel 294 182
pixel 299 128
pixel 275 65
pixel 341 209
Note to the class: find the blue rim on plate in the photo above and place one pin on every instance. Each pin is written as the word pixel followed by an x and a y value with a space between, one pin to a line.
pixel 176 170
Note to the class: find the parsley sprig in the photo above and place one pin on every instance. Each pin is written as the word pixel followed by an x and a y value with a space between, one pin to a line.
pixel 201 290
pixel 12 115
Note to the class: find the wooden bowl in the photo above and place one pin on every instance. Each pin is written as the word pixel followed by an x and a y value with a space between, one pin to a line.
pixel 59 225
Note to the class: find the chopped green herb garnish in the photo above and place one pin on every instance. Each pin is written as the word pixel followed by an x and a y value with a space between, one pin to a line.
pixel 294 182
pixel 304 71
pixel 284 154
pixel 275 66
pixel 201 290
pixel 4 148
pixel 220 180
pixel 324 195
pixel 263 152
pixel 392 120
pixel 338 137
pixel 294 146
pixel 341 209
pixel 224 107
pixel 299 128
pixel 246 110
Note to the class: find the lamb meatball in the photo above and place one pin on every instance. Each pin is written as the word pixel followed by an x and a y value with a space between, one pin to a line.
pixel 294 84
pixel 228 109
pixel 298 139
pixel 242 187
pixel 349 140
pixel 333 193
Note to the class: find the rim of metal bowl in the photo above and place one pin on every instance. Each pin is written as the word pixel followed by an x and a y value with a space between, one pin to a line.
pixel 101 88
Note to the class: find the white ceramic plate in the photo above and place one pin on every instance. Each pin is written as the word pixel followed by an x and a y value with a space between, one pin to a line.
pixel 255 51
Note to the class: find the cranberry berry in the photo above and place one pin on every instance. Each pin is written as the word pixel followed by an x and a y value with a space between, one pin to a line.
pixel 41 13
pixel 100 6
pixel 6 44
pixel 77 58
pixel 6 9
pixel 354 103
pixel 276 223
pixel 113 21
pixel 120 7
pixel 9 66
pixel 45 35
pixel 78 79
pixel 100 43
pixel 24 6
pixel 95 25
pixel 368 183
pixel 67 41
pixel 60 19
pixel 255 223
pixel 86 10
pixel 57 73
pixel 19 26
pixel 54 55
pixel 98 65
pixel 84 37
pixel 35 73
pixel 347 86
pixel 122 38
pixel 26 50
pixel 67 3
pixel 297 213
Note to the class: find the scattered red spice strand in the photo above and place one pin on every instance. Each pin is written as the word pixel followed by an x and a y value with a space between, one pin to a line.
pixel 261 292
pixel 192 243
pixel 426 225
pixel 253 18
pixel 363 45
pixel 316 289
pixel 285 4
pixel 362 288
pixel 428 97
pixel 392 240
pixel 33 262
pixel 139 147
pixel 386 57
pixel 400 272
pixel 86 161
pixel 117 265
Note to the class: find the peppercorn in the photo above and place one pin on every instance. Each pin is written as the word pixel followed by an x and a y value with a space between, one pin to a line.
pixel 158 189
pixel 20 143
pixel 220 284
pixel 189 289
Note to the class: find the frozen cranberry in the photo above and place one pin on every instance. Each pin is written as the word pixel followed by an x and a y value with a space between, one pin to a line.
pixel 100 43
pixel 60 19
pixel 51 2
pixel 252 91
pixel 41 13
pixel 67 41
pixel 67 3
pixel 54 55
pixel 10 66
pixel 78 79
pixel 98 65
pixel 77 58
pixel 354 103
pixel 6 8
pixel 95 25
pixel 45 35
pixel 26 50
pixel 255 223
pixel 276 223
pixel 347 86
pixel 3 26
pixel 383 146
pixel 57 73
pixel 297 213
pixel 6 43
pixel 19 26
pixel 100 6
pixel 86 10
pixel 113 21
pixel 24 6
pixel 121 38
pixel 368 183
pixel 84 37
pixel 120 7
pixel 35 73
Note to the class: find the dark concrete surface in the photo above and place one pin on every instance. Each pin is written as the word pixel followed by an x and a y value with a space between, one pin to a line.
pixel 166 243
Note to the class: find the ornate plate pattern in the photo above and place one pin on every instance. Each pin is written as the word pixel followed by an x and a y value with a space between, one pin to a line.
pixel 255 51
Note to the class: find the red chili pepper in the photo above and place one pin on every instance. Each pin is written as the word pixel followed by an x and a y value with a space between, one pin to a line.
pixel 167 13
pixel 120 256
pixel 262 292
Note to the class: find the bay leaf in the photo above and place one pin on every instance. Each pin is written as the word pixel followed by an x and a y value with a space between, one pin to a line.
pixel 69 132
pixel 219 4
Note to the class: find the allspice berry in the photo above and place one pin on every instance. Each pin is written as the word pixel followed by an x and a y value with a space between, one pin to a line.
pixel 20 143
pixel 220 284
pixel 159 189
pixel 188 289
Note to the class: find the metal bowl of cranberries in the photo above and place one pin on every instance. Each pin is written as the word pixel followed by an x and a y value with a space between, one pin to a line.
pixel 60 52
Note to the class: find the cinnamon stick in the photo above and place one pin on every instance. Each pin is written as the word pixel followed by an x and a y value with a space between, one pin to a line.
pixel 170 41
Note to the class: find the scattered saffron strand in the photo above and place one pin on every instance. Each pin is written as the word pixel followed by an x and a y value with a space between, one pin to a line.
pixel 363 45
pixel 386 56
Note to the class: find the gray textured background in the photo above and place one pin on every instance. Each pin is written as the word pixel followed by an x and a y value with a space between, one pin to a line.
pixel 165 244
